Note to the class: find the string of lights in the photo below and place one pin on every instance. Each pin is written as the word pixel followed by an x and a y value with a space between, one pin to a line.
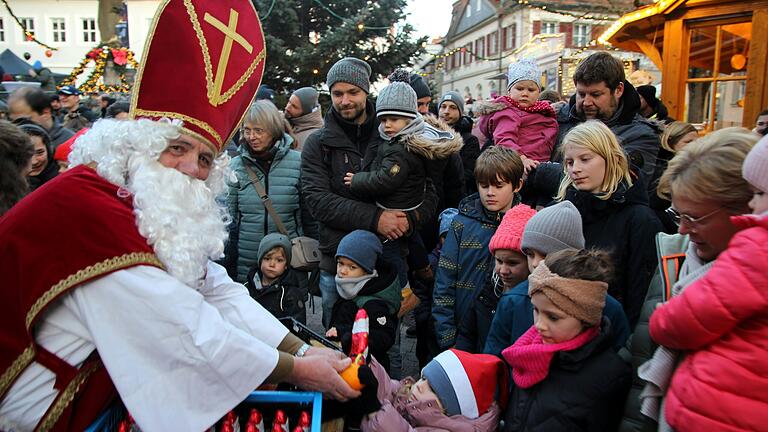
pixel 269 11
pixel 30 37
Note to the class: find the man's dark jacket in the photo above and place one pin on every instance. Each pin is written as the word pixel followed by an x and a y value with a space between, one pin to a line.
pixel 340 147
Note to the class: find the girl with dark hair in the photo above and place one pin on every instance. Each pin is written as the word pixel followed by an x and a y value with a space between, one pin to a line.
pixel 44 167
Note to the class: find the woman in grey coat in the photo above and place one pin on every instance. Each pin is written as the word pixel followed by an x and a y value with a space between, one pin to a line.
pixel 265 150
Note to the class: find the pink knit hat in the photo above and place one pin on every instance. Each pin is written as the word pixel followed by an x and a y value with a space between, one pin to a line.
pixel 509 234
pixel 755 168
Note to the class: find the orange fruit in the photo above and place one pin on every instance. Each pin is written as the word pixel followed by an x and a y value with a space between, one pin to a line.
pixel 349 375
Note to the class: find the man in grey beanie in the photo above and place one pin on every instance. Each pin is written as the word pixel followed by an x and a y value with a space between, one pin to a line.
pixel 423 93
pixel 303 113
pixel 348 142
pixel 552 229
pixel 451 111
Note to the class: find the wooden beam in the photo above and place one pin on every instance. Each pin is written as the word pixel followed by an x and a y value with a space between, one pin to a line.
pixel 675 68
pixel 650 51
pixel 756 98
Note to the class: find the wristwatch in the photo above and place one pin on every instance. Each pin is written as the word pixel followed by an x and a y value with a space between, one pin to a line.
pixel 303 350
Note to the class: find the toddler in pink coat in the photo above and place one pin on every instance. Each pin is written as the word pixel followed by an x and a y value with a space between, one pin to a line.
pixel 457 392
pixel 721 322
pixel 519 120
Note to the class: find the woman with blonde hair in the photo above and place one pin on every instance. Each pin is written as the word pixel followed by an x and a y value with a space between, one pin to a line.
pixel 614 209
pixel 705 184
pixel 675 137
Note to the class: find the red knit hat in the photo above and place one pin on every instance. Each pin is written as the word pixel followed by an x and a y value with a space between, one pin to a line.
pixel 466 383
pixel 62 152
pixel 509 234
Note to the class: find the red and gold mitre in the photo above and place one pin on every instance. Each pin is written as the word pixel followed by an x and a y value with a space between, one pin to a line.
pixel 202 64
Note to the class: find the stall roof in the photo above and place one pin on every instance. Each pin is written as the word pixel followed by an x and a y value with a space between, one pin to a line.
pixel 13 64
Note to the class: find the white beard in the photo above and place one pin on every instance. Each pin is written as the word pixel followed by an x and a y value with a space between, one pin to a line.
pixel 177 214
pixel 179 217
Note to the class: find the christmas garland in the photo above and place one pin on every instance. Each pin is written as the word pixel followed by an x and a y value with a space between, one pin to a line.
pixel 120 57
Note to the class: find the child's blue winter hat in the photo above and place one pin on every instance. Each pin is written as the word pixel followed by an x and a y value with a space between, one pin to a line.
pixel 362 247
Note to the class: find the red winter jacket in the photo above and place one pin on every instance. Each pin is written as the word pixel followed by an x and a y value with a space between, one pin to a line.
pixel 530 131
pixel 721 321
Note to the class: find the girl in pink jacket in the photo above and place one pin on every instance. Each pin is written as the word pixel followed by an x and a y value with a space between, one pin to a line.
pixel 455 393
pixel 519 120
pixel 721 322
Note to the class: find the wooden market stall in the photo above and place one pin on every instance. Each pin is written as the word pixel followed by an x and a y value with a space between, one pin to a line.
pixel 713 55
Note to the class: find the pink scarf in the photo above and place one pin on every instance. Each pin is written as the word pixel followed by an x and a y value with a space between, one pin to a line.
pixel 530 357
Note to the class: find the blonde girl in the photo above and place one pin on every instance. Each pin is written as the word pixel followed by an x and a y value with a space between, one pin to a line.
pixel 613 204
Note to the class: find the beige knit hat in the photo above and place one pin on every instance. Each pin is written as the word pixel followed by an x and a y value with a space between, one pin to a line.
pixel 579 298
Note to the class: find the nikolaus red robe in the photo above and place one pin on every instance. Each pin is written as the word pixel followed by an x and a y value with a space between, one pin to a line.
pixel 38 265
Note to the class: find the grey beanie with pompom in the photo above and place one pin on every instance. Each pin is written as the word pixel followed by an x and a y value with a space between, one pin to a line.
pixel 398 98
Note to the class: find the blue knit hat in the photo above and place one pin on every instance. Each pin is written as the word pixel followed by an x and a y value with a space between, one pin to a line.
pixel 362 247
pixel 445 218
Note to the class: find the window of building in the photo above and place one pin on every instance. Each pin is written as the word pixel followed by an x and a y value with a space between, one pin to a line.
pixel 58 30
pixel 510 37
pixel 581 35
pixel 468 11
pixel 480 48
pixel 2 29
pixel 478 5
pixel 493 43
pixel 717 74
pixel 29 24
pixel 549 27
pixel 468 53
pixel 89 30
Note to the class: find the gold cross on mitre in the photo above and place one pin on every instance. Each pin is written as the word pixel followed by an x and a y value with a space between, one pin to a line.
pixel 230 35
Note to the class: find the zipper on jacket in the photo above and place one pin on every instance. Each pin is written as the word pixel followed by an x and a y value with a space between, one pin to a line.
pixel 266 213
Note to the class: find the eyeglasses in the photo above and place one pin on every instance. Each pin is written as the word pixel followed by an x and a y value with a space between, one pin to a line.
pixel 677 217
pixel 254 131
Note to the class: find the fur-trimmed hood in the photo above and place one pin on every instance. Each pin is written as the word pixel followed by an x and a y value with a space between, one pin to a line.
pixel 434 149
pixel 486 107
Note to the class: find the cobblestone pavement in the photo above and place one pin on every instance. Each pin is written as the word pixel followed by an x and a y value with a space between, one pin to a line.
pixel 407 345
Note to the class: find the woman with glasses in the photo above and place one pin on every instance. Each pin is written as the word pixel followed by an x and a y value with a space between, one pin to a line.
pixel 614 210
pixel 264 154
pixel 705 186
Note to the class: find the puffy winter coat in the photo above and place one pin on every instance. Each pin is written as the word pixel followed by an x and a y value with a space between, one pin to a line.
pixel 464 265
pixel 285 297
pixel 328 154
pixel 514 316
pixel 625 226
pixel 398 414
pixel 670 252
pixel 583 391
pixel 251 221
pixel 397 177
pixel 635 133
pixel 380 297
pixel 721 321
pixel 530 131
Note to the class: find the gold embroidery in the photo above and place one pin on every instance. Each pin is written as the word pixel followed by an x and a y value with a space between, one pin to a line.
pixel 66 397
pixel 18 365
pixel 90 272
pixel 183 117
pixel 213 97
pixel 230 35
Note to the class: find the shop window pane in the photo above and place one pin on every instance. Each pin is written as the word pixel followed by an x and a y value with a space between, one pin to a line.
pixel 728 113
pixel 734 48
pixel 697 105
pixel 701 60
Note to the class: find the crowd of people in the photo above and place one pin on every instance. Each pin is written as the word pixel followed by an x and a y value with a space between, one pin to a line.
pixel 585 264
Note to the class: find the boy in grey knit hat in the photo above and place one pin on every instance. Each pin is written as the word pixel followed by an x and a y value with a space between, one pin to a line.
pixel 398 175
pixel 552 229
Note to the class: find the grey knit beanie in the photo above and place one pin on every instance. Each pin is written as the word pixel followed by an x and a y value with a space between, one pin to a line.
pixel 553 229
pixel 273 240
pixel 398 98
pixel 307 98
pixel 455 97
pixel 755 168
pixel 525 69
pixel 350 70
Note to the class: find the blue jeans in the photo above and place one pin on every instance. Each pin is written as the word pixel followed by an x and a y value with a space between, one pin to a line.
pixel 329 295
